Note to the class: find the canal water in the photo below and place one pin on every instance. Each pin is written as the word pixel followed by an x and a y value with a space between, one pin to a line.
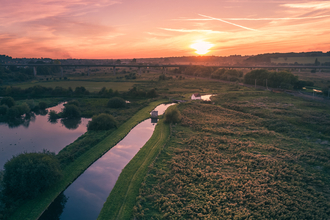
pixel 85 197
pixel 37 133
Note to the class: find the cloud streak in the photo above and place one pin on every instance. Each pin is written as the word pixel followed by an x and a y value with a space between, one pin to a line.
pixel 192 31
pixel 218 19
pixel 255 19
pixel 309 5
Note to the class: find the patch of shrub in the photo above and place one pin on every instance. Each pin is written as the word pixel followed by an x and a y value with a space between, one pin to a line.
pixel 116 102
pixel 13 112
pixel 152 93
pixel 102 122
pixel 23 108
pixel 43 105
pixel 9 101
pixel 71 111
pixel 28 174
pixel 74 102
pixel 3 109
pixel 172 115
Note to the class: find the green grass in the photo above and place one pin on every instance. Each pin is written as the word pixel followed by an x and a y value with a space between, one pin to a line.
pixel 300 60
pixel 34 208
pixel 121 201
pixel 89 85
pixel 321 79
pixel 251 155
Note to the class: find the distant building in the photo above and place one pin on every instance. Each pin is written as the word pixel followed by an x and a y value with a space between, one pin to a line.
pixel 196 96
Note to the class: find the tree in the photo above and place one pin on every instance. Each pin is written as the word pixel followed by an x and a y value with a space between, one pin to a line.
pixel 102 122
pixel 152 93
pixel 28 174
pixel 43 105
pixel 9 101
pixel 24 108
pixel 116 102
pixel 13 112
pixel 71 111
pixel 172 115
pixel 3 109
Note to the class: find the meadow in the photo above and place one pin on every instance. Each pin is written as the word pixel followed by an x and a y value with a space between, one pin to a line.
pixel 300 60
pixel 320 79
pixel 88 84
pixel 250 155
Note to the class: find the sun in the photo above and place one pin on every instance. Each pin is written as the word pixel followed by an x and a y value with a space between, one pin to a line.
pixel 201 47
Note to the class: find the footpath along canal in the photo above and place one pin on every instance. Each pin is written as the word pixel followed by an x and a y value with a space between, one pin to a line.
pixel 85 197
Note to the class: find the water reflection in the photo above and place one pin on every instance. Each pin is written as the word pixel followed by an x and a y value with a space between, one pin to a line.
pixel 42 112
pixel 154 120
pixel 71 123
pixel 54 211
pixel 87 194
pixel 33 133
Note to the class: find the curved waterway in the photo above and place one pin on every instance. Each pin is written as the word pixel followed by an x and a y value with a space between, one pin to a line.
pixel 37 133
pixel 85 197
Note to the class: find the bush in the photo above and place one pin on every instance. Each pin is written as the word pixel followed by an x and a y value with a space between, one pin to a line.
pixel 9 101
pixel 28 174
pixel 152 93
pixel 23 108
pixel 31 104
pixel 13 112
pixel 172 115
pixel 3 109
pixel 73 102
pixel 102 122
pixel 71 111
pixel 116 102
pixel 43 105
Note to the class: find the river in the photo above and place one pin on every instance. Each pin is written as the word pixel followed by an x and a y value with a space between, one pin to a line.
pixel 85 197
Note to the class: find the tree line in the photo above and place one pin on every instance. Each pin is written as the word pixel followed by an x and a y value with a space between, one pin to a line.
pixel 42 92
pixel 282 79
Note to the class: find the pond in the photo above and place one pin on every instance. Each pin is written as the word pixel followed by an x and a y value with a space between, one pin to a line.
pixel 38 133
pixel 85 197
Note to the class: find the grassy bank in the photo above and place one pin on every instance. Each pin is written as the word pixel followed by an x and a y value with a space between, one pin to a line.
pixel 34 208
pixel 121 201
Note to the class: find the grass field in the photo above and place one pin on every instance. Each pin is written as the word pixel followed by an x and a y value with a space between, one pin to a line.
pixel 300 60
pixel 251 155
pixel 89 85
pixel 34 208
pixel 320 79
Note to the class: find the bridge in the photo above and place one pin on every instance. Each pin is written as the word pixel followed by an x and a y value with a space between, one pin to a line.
pixel 165 66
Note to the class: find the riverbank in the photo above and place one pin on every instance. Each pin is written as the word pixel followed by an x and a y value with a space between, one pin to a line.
pixel 34 208
pixel 122 198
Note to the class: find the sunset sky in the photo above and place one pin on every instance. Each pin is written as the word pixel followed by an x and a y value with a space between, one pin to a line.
pixel 105 29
